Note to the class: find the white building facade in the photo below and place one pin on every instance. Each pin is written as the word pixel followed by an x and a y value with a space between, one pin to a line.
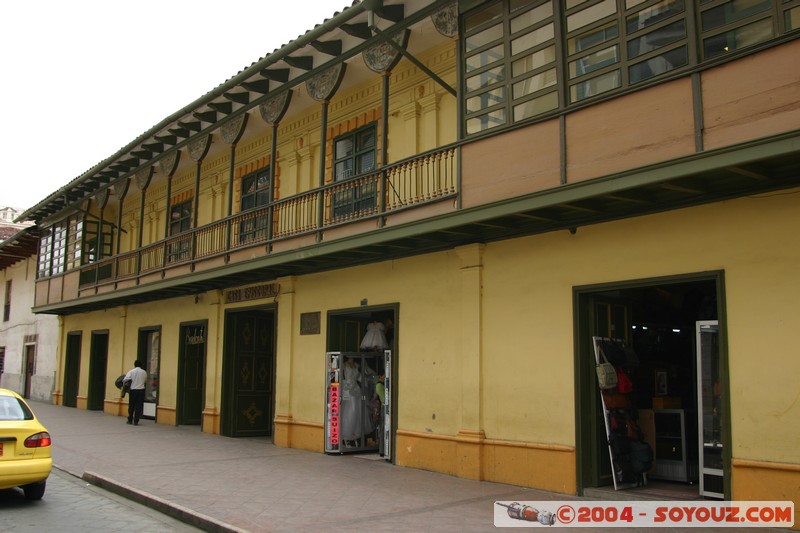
pixel 28 342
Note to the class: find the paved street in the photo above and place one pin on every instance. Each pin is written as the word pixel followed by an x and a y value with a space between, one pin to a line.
pixel 71 504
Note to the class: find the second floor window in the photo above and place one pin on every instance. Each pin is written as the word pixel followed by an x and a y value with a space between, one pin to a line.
pixel 180 217
pixel 180 221
pixel 355 154
pixel 97 241
pixel 255 194
pixel 255 190
pixel 61 247
pixel 515 52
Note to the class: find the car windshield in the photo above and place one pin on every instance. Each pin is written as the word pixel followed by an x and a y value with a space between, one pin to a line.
pixel 13 409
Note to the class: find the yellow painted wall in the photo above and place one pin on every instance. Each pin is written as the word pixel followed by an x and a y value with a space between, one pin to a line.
pixel 123 326
pixel 522 334
pixel 526 338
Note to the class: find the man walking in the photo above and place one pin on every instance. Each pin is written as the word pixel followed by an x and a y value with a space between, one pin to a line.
pixel 136 377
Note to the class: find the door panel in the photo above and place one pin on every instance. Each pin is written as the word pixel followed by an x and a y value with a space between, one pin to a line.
pixel 192 374
pixel 252 376
pixel 30 365
pixel 98 363
pixel 72 368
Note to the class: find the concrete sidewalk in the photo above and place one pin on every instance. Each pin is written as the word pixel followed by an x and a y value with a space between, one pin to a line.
pixel 225 484
pixel 249 485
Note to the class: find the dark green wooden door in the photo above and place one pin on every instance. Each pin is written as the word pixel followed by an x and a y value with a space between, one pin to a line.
pixel 72 370
pixel 250 370
pixel 191 379
pixel 98 364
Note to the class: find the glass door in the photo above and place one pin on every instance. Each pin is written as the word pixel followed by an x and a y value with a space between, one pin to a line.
pixel 149 355
pixel 709 397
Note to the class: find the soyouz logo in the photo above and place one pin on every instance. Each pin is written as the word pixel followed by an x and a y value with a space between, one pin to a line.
pixel 577 513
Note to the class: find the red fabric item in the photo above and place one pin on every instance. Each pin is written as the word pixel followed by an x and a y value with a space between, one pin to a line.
pixel 624 384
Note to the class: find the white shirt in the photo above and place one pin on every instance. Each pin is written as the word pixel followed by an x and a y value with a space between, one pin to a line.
pixel 138 377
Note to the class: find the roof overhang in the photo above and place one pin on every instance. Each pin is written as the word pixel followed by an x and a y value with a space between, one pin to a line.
pixel 338 39
pixel 20 246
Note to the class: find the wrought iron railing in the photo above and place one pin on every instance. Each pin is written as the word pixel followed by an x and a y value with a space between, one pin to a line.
pixel 413 182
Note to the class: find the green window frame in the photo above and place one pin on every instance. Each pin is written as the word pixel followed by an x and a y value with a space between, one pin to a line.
pixel 355 154
pixel 98 241
pixel 45 260
pixel 180 221
pixel 256 193
pixel 510 63
pixel 525 59
pixel 613 44
pixel 61 247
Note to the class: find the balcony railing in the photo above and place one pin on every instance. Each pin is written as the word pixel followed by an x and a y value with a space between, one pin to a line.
pixel 404 185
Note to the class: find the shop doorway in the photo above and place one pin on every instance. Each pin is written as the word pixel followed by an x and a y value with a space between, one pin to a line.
pixel 657 320
pixel 30 368
pixel 248 373
pixel 360 395
pixel 191 373
pixel 98 364
pixel 72 370
pixel 148 352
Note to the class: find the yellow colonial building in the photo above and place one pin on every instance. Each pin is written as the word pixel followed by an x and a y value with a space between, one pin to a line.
pixel 413 230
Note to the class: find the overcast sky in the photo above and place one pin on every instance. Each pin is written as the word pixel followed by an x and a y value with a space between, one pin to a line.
pixel 80 79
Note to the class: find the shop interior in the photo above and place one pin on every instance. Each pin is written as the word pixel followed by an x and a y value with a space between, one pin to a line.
pixel 361 345
pixel 658 325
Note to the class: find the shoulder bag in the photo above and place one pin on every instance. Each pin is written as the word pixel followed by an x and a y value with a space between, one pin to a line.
pixel 606 374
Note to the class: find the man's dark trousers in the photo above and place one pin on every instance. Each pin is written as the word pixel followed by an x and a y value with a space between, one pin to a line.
pixel 135 405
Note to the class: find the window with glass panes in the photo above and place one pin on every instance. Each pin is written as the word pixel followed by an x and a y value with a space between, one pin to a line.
pixel 729 25
pixel 614 43
pixel 355 154
pixel 74 239
pixel 510 63
pixel 97 241
pixel 45 260
pixel 54 248
pixel 255 196
pixel 59 247
pixel 180 217
pixel 514 50
pixel 180 221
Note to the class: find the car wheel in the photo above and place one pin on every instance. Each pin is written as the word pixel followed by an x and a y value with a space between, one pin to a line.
pixel 35 491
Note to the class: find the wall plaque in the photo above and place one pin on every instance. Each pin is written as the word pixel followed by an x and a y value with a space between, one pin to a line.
pixel 309 323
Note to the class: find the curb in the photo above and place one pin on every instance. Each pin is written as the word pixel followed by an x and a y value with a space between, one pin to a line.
pixel 184 514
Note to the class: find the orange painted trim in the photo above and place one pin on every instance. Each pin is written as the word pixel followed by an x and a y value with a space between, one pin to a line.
pixel 765 465
pixel 472 437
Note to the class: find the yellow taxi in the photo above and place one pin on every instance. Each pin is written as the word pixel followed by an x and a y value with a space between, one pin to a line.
pixel 25 459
